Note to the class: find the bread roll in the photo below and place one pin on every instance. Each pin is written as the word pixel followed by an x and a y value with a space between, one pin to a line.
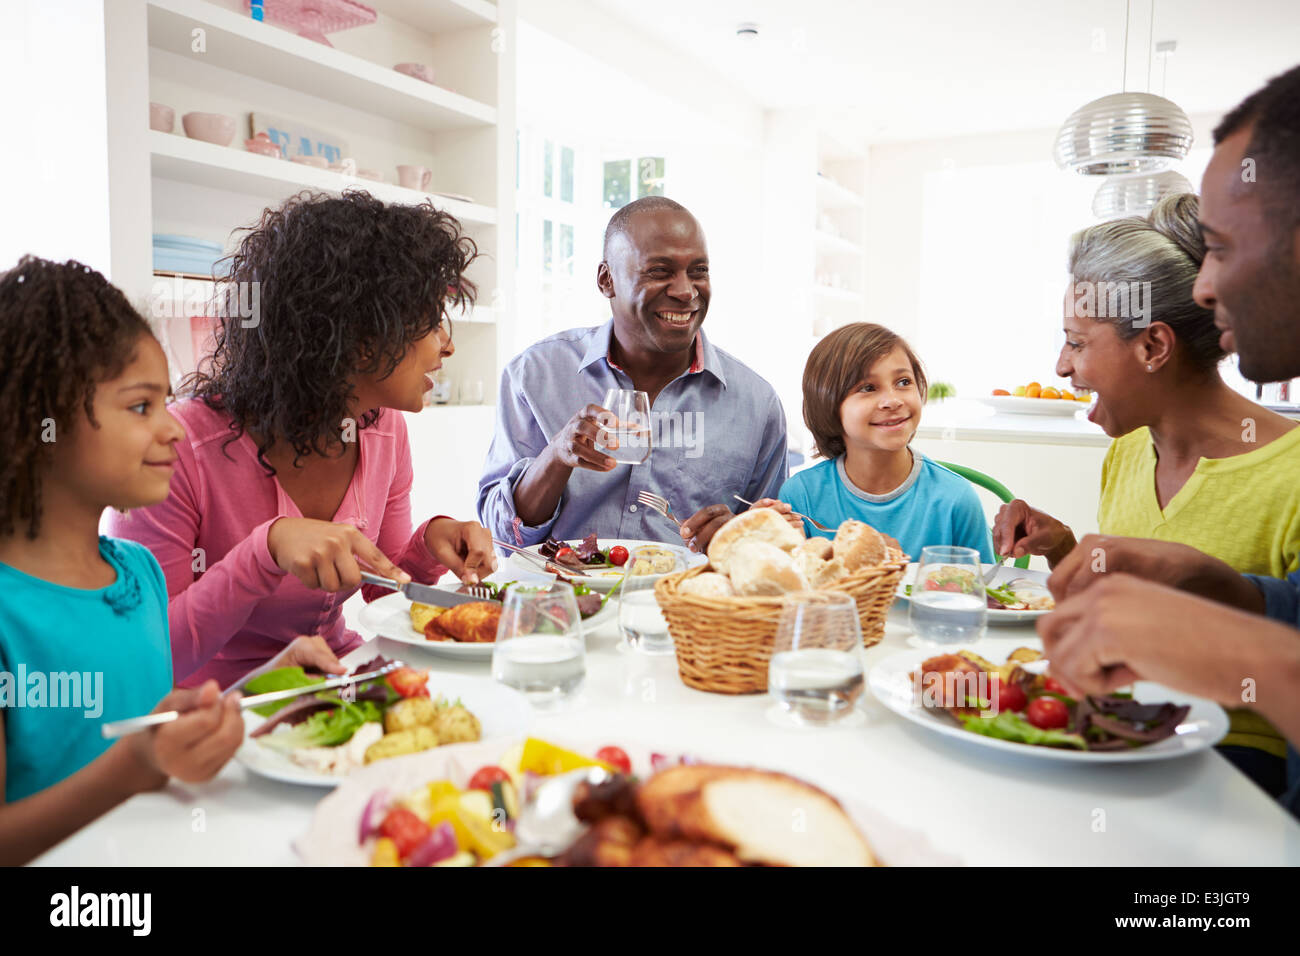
pixel 859 545
pixel 758 524
pixel 762 569
pixel 750 811
pixel 819 573
pixel 817 546
pixel 708 584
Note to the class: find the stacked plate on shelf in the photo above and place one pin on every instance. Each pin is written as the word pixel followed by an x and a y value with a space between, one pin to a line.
pixel 185 254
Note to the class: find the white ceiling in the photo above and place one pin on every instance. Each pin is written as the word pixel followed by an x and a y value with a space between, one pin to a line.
pixel 914 69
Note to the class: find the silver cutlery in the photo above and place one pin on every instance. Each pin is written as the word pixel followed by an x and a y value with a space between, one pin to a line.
pixel 427 593
pixel 992 572
pixel 121 728
pixel 816 524
pixel 657 503
pixel 547 825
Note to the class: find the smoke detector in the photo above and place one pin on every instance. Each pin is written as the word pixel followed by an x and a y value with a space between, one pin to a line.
pixel 747 32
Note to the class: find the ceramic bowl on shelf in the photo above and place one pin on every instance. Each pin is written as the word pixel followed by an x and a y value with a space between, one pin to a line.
pixel 209 127
pixel 344 167
pixel 417 70
pixel 263 146
pixel 162 117
pixel 374 175
pixel 319 162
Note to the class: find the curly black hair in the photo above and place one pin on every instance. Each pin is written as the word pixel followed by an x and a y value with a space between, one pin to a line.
pixel 345 286
pixel 63 329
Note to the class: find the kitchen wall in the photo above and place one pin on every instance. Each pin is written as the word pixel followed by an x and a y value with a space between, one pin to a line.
pixel 966 243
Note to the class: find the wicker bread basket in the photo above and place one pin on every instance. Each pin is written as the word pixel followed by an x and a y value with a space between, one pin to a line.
pixel 724 643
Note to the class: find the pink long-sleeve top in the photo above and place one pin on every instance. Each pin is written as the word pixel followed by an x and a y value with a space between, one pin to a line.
pixel 231 608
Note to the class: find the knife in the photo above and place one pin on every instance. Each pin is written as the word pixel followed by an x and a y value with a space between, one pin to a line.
pixel 423 593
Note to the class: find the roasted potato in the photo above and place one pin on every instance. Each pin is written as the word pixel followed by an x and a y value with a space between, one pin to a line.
pixel 457 725
pixel 422 614
pixel 402 743
pixel 410 713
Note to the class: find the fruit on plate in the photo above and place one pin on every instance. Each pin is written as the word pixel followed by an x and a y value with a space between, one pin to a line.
pixel 1038 390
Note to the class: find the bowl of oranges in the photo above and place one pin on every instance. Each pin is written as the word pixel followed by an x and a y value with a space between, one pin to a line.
pixel 1036 399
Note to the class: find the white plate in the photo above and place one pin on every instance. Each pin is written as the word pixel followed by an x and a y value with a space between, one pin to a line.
pixel 502 711
pixel 604 580
pixel 1005 575
pixel 1015 405
pixel 331 840
pixel 891 682
pixel 390 617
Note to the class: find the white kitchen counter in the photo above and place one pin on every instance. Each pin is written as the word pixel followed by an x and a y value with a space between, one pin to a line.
pixel 969 420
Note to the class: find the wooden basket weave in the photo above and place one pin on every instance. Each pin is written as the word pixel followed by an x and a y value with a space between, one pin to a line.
pixel 724 644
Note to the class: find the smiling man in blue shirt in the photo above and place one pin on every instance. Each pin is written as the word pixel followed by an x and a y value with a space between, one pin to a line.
pixel 717 427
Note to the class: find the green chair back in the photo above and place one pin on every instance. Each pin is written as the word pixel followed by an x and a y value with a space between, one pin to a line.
pixel 990 483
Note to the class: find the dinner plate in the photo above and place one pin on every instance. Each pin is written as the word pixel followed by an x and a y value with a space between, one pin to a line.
pixel 331 839
pixel 604 580
pixel 1005 575
pixel 390 617
pixel 1015 405
pixel 891 683
pixel 502 711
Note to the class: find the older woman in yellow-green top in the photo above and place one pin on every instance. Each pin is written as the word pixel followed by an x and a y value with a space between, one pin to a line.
pixel 1192 461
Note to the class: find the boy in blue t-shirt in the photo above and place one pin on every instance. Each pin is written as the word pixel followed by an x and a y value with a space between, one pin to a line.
pixel 863 393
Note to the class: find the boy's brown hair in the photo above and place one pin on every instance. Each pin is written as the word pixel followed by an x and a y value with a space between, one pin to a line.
pixel 838 363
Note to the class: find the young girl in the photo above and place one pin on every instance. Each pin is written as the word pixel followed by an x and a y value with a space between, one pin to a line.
pixel 83 618
pixel 863 389
pixel 296 473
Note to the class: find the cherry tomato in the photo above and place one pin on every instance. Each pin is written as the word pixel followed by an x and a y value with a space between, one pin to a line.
pixel 1054 686
pixel 409 682
pixel 564 554
pixel 405 829
pixel 615 757
pixel 1003 696
pixel 484 777
pixel 1048 713
pixel 618 555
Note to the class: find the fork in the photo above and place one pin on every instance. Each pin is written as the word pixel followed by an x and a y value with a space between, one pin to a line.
pixel 657 503
pixel 816 524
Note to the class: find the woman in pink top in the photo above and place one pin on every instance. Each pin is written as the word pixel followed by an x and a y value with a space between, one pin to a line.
pixel 296 470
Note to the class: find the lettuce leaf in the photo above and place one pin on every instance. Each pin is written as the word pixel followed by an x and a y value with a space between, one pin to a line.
pixel 283 678
pixel 326 728
pixel 1009 725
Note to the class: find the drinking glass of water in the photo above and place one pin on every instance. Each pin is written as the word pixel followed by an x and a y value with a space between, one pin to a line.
pixel 948 601
pixel 639 618
pixel 632 429
pixel 815 675
pixel 539 649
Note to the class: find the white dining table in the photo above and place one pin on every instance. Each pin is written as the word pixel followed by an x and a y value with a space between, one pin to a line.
pixel 972 804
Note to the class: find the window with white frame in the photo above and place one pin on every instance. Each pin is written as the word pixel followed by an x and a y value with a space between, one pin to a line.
pixel 568 186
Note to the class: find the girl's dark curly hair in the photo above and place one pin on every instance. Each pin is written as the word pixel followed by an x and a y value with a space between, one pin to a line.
pixel 63 329
pixel 344 285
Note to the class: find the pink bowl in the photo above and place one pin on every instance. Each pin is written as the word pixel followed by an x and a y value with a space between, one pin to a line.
pixel 417 70
pixel 162 118
pixel 209 127
pixel 263 146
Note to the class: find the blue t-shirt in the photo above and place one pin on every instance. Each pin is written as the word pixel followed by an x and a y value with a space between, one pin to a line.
pixel 933 506
pixel 71 659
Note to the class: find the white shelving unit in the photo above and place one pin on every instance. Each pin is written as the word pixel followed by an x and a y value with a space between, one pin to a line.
pixel 210 56
pixel 839 276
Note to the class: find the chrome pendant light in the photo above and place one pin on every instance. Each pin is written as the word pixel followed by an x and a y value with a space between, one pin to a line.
pixel 1124 132
pixel 1136 195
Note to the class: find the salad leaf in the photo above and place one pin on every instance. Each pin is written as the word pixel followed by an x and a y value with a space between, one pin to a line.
pixel 326 728
pixel 1009 725
pixel 283 678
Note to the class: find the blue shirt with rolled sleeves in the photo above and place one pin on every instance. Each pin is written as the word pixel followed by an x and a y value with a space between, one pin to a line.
pixel 1282 603
pixel 716 430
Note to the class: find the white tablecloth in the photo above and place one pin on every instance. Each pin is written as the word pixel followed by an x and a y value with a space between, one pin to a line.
pixel 979 806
